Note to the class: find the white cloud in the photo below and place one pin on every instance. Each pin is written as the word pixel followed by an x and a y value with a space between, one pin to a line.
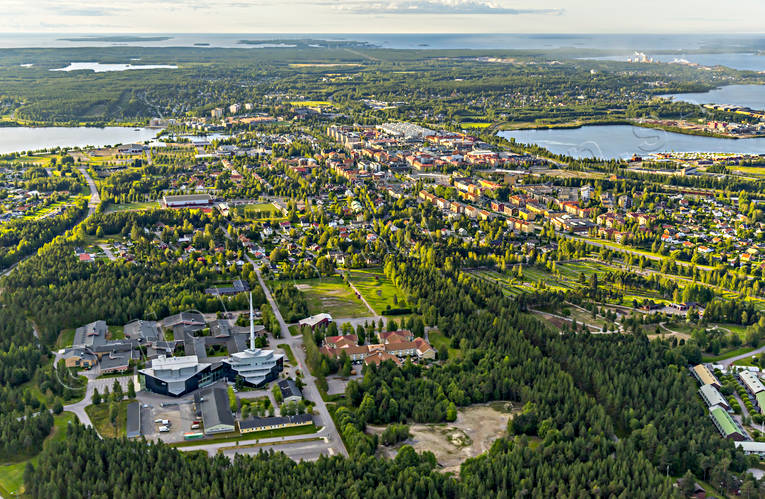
pixel 441 7
pixel 382 16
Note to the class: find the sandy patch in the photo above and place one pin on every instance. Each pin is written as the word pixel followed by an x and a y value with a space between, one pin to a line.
pixel 472 434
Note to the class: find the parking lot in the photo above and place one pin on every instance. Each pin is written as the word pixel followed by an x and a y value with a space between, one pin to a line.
pixel 179 414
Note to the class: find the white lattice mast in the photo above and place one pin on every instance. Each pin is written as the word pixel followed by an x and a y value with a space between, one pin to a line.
pixel 252 325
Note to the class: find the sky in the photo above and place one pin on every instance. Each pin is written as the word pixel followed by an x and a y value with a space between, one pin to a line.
pixel 382 16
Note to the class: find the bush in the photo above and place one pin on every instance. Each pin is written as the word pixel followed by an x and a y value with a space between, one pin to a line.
pixel 394 434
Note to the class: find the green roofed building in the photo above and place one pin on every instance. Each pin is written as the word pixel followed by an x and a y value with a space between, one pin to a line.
pixel 726 425
pixel 760 397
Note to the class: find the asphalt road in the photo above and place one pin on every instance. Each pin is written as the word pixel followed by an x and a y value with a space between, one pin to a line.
pixel 728 362
pixel 298 451
pixel 310 391
pixel 95 198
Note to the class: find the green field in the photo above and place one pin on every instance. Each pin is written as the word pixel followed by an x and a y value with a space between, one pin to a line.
pixel 377 289
pixel 145 205
pixel 12 475
pixel 333 296
pixel 116 332
pixel 99 416
pixel 65 338
pixel 310 103
pixel 257 211
pixel 438 340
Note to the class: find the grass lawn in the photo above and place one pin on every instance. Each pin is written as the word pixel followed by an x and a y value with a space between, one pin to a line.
pixel 143 205
pixel 65 338
pixel 310 103
pixel 116 332
pixel 99 416
pixel 240 437
pixel 377 289
pixel 260 210
pixel 748 361
pixel 12 475
pixel 438 340
pixel 727 354
pixel 289 353
pixel 333 296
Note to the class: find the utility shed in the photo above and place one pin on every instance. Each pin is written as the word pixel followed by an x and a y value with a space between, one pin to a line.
pixel 133 429
pixel 213 405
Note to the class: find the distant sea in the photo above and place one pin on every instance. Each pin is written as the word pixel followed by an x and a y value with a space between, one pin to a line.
pixel 628 42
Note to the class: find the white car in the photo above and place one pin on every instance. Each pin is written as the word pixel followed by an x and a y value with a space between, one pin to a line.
pixel 164 429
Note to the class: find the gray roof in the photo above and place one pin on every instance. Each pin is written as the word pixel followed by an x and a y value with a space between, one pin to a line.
pixel 220 328
pixel 711 396
pixel 109 362
pixel 133 420
pixel 187 197
pixel 278 420
pixel 215 409
pixel 90 335
pixel 188 318
pixel 238 286
pixel 142 330
pixel 289 389
pixel 80 352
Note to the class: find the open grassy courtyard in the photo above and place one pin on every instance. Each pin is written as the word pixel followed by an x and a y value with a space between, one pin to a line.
pixel 377 289
pixel 333 296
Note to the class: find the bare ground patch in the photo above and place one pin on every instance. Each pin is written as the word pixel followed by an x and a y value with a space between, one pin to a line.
pixel 472 434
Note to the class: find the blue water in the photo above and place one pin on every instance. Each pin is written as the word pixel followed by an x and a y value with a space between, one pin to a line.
pixel 743 61
pixel 627 42
pixel 17 139
pixel 751 96
pixel 622 141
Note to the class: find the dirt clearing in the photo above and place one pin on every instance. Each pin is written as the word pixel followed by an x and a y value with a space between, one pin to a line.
pixel 472 434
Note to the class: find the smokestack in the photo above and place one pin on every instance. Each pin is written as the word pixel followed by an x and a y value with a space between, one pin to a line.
pixel 252 325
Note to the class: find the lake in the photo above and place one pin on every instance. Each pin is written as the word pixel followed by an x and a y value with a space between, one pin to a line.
pixel 17 139
pixel 98 67
pixel 742 61
pixel 752 96
pixel 622 141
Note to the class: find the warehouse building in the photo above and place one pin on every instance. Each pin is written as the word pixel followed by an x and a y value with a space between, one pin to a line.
pixel 213 407
pixel 726 425
pixel 713 397
pixel 752 448
pixel 261 424
pixel 705 376
pixel 751 382
pixel 187 201
pixel 755 388
pixel 133 424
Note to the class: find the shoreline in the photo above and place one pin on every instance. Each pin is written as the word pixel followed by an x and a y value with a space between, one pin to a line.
pixel 571 126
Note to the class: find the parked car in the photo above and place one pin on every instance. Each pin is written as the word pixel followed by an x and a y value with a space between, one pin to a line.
pixel 164 429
